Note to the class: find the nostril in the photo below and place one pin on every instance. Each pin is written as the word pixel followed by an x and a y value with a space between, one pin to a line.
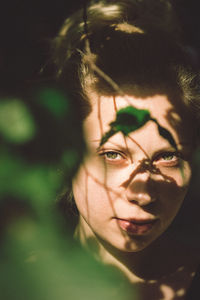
pixel 142 199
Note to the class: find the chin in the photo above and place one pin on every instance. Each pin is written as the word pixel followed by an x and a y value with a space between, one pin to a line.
pixel 127 244
pixel 138 246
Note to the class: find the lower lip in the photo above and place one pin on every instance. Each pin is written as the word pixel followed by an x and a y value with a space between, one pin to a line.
pixel 135 228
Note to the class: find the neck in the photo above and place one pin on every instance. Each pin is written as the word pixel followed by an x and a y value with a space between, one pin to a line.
pixel 162 258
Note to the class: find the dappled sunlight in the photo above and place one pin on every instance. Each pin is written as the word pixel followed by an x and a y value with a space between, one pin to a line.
pixel 106 134
pixel 165 184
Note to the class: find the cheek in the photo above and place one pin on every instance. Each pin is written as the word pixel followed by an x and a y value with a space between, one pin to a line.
pixel 171 191
pixel 171 198
pixel 92 198
pixel 181 176
pixel 80 190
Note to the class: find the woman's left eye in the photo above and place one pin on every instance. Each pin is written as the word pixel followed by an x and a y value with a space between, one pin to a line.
pixel 168 158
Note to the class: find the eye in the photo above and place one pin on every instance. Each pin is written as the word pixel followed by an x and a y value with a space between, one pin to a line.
pixel 112 156
pixel 169 156
pixel 169 159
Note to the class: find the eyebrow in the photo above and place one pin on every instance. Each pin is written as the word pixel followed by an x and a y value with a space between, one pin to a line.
pixel 182 143
pixel 166 148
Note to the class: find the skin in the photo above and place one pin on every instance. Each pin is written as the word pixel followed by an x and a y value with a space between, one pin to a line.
pixel 141 177
pixel 114 183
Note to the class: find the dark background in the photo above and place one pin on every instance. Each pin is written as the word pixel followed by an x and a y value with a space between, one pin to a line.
pixel 27 26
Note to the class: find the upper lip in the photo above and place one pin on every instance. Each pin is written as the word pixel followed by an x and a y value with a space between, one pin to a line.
pixel 138 221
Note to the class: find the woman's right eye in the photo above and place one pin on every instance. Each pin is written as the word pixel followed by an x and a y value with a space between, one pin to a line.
pixel 112 156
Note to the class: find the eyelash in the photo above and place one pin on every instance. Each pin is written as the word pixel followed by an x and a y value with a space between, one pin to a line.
pixel 112 160
pixel 159 159
pixel 176 156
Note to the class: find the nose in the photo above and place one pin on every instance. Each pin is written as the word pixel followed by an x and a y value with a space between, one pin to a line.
pixel 140 189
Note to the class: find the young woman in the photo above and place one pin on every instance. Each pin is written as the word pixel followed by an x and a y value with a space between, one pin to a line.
pixel 122 60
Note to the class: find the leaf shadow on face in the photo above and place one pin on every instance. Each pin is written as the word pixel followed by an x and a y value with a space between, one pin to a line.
pixel 186 226
pixel 146 164
pixel 183 124
pixel 165 183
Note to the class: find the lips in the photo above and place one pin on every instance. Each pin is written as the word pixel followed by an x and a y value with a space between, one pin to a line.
pixel 136 226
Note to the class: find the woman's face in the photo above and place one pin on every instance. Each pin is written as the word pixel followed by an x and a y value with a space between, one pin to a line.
pixel 129 190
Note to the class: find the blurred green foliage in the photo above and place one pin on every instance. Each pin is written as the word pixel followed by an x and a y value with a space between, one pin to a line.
pixel 60 107
pixel 16 122
pixel 38 263
pixel 41 149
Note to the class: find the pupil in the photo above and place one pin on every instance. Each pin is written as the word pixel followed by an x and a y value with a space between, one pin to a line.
pixel 168 156
pixel 111 155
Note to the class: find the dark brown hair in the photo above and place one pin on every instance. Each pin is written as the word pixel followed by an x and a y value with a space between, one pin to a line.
pixel 136 43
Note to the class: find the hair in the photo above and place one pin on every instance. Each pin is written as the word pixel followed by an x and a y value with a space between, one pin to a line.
pixel 136 43
pixel 127 46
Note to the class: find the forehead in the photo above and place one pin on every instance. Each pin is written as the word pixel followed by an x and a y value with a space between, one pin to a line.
pixel 172 116
pixel 159 106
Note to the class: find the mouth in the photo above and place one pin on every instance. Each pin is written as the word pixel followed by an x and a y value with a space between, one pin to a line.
pixel 136 226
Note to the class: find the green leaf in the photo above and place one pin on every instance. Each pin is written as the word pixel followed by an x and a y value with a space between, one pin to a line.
pixel 128 119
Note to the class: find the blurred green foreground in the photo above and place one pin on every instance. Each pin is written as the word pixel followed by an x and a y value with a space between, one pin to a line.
pixel 41 149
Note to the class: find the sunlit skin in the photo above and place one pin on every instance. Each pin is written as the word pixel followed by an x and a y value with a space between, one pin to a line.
pixel 138 177
pixel 141 178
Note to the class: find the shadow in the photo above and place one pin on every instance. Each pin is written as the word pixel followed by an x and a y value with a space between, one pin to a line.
pixel 169 247
pixel 144 166
pixel 172 282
